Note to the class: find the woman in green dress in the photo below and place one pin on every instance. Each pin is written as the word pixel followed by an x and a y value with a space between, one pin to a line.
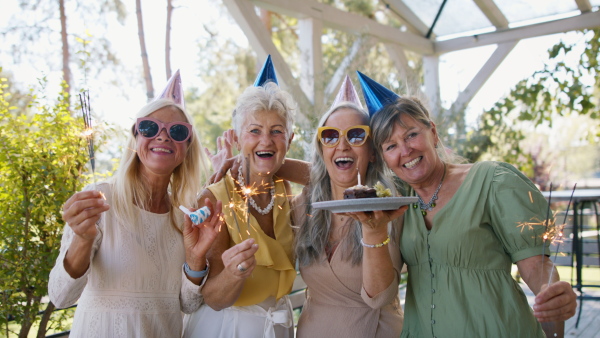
pixel 460 240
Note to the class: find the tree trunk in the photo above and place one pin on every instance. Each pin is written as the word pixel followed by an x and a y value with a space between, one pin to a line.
pixel 65 46
pixel 168 39
pixel 144 52
pixel 44 322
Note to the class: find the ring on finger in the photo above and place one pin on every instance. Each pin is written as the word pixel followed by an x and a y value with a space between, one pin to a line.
pixel 241 268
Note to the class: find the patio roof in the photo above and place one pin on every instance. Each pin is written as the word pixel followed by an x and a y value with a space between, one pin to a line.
pixel 430 28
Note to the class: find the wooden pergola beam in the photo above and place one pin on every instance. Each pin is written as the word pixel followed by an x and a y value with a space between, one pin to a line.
pixel 348 22
pixel 492 12
pixel 582 21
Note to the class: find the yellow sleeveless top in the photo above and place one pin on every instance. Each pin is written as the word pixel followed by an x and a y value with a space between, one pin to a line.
pixel 274 272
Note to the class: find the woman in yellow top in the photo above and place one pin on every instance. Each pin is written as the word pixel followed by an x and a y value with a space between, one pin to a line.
pixel 246 291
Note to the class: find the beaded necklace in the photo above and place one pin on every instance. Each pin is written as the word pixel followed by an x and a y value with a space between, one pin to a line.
pixel 260 210
pixel 428 206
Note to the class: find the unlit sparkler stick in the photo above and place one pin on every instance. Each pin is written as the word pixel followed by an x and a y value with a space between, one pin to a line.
pixel 84 98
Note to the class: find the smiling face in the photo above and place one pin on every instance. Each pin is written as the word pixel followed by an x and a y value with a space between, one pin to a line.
pixel 410 151
pixel 263 139
pixel 160 156
pixel 343 160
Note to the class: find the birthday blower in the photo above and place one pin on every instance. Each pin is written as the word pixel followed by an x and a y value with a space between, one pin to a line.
pixel 197 216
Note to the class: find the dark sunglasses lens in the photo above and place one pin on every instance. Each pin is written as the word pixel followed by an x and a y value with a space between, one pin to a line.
pixel 330 136
pixel 356 135
pixel 179 132
pixel 148 128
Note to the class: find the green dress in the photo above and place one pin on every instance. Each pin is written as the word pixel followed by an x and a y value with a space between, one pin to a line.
pixel 459 272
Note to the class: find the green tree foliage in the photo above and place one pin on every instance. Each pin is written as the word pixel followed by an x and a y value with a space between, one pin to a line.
pixel 42 157
pixel 562 89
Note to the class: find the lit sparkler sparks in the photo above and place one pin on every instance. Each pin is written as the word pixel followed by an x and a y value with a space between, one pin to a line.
pixel 560 234
pixel 88 132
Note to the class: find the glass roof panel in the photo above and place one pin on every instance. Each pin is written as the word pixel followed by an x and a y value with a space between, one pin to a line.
pixel 452 19
pixel 521 10
pixel 460 16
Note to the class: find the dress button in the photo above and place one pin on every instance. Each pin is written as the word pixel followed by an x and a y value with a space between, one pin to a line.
pixel 433 306
pixel 432 275
pixel 432 290
pixel 432 321
pixel 430 259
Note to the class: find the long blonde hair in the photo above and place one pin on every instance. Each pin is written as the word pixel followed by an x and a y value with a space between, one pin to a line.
pixel 187 180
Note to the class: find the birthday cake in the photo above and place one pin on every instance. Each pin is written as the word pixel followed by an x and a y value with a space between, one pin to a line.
pixel 363 191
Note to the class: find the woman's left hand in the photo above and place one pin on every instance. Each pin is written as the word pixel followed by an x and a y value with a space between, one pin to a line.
pixel 556 302
pixel 378 219
pixel 198 239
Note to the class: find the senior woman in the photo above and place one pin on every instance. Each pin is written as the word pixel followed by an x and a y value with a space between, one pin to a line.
pixel 124 254
pixel 338 256
pixel 460 240
pixel 246 291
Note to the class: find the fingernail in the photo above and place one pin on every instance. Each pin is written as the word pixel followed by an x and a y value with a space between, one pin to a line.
pixel 254 246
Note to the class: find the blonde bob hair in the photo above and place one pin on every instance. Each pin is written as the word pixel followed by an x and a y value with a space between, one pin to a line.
pixel 129 189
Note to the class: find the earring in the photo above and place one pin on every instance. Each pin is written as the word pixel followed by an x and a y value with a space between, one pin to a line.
pixel 282 162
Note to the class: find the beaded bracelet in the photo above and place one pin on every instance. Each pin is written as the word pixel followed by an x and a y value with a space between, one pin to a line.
pixel 384 243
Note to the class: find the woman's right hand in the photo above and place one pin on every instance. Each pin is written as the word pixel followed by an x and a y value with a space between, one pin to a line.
pixel 219 160
pixel 82 211
pixel 239 260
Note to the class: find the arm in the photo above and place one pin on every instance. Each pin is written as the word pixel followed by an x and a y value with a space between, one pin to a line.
pixel 80 240
pixel 225 281
pixel 197 241
pixel 380 275
pixel 292 170
pixel 554 303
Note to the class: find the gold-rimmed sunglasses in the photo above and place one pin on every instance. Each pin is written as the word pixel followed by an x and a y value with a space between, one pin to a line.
pixel 356 136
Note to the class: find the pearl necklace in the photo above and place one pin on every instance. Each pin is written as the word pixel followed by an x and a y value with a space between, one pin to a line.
pixel 428 206
pixel 260 210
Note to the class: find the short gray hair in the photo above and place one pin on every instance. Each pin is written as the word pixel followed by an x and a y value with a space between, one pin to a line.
pixel 268 97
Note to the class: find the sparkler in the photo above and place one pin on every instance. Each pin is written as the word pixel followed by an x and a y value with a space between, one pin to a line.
pixel 560 234
pixel 247 191
pixel 88 132
pixel 231 205
pixel 545 236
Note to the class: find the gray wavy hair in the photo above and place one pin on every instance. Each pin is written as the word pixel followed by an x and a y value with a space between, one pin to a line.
pixel 312 237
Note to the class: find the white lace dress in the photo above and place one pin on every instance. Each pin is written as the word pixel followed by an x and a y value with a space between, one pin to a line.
pixel 135 286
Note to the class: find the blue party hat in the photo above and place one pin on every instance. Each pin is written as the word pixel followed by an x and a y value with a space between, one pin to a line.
pixel 376 95
pixel 347 93
pixel 267 73
pixel 173 90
